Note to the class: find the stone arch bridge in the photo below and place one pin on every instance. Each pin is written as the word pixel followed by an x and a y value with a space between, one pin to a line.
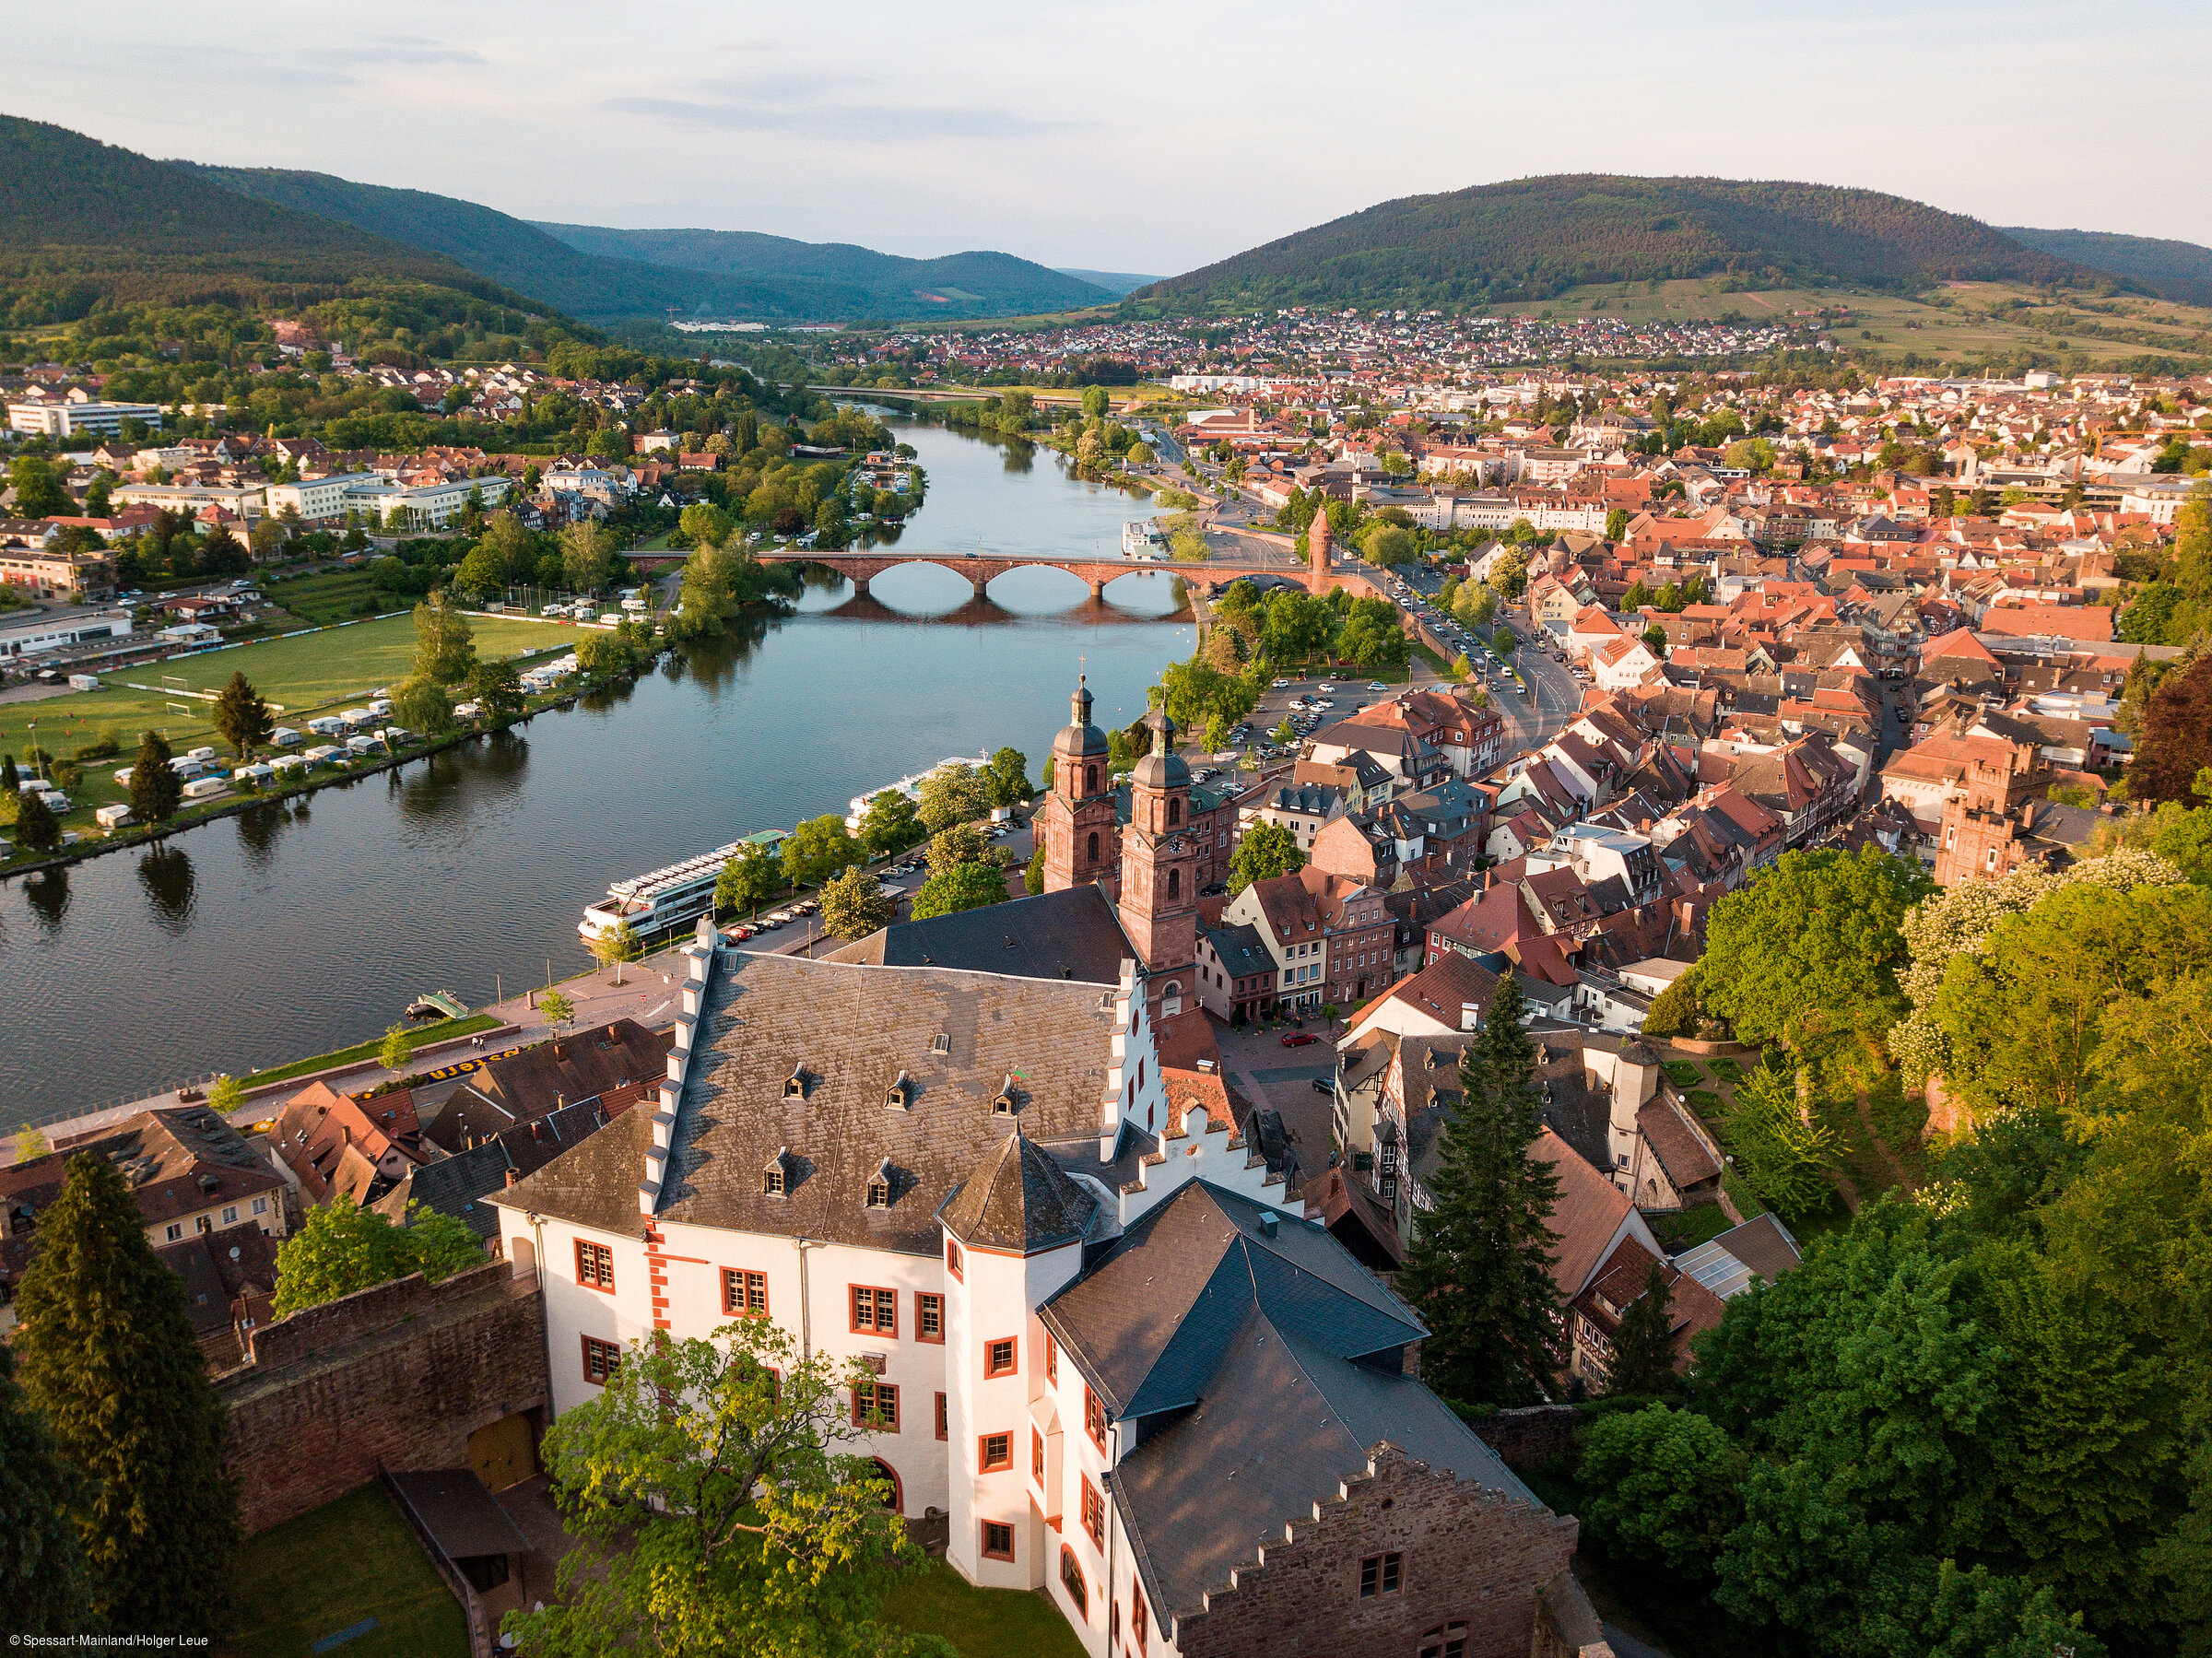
pixel 982 569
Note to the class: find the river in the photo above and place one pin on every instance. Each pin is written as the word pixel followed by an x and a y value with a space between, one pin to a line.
pixel 298 928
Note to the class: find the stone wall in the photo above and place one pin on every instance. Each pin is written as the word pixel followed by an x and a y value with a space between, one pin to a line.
pixel 1469 1557
pixel 396 1377
pixel 1530 1438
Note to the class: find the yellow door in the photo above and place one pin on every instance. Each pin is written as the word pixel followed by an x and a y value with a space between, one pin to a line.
pixel 501 1453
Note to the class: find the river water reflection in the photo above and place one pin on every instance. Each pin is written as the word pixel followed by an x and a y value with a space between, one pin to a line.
pixel 294 929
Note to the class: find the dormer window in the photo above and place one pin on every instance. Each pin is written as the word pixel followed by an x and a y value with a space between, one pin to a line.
pixel 794 1085
pixel 775 1179
pixel 899 1097
pixel 940 1043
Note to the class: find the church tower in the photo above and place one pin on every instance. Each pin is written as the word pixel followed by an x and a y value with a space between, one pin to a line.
pixel 1159 870
pixel 1076 819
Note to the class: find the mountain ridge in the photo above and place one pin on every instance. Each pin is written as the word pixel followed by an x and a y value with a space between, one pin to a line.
pixel 1533 238
pixel 2178 270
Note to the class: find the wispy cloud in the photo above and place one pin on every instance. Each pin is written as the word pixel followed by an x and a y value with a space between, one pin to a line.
pixel 881 124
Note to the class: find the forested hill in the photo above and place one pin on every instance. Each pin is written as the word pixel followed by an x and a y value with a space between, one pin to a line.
pixel 2178 270
pixel 515 252
pixel 81 220
pixel 983 284
pixel 1534 238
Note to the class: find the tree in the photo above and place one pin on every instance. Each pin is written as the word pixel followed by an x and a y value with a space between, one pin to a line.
pixel 889 825
pixel 38 485
pixel 483 572
pixel 343 1249
pixel 1677 1010
pixel 1616 523
pixel 1655 639
pixel 1778 1148
pixel 557 1007
pixel 36 826
pixel 1009 776
pixel 422 705
pixel 42 1582
pixel 1032 878
pixel 2175 741
pixel 1664 1488
pixel 955 794
pixel 1094 403
pixel 817 850
pixel 513 544
pixel 155 788
pixel 241 717
pixel 1643 1346
pixel 748 880
pixel 1814 944
pixel 1264 850
pixel 586 552
pixel 1387 546
pixel 854 905
pixel 959 887
pixel 616 947
pixel 109 1360
pixel 224 1095
pixel 721 1511
pixel 445 647
pixel 394 1051
pixel 496 688
pixel 1478 1269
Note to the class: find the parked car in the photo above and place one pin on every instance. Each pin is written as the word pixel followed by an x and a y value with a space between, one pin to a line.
pixel 1298 1039
pixel 1324 1085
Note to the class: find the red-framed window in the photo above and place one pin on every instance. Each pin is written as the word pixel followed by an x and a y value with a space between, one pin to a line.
pixel 1094 1416
pixel 594 1266
pixel 993 1452
pixel 952 1257
pixel 743 1294
pixel 944 1418
pixel 998 1540
pixel 1001 1357
pixel 875 1311
pixel 1037 1454
pixel 1094 1514
pixel 1052 1359
pixel 875 1406
pixel 1140 1616
pixel 929 1316
pixel 601 1360
pixel 1071 1580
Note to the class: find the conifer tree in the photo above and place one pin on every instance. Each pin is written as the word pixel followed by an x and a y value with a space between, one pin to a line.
pixel 1643 1347
pixel 1479 1268
pixel 242 717
pixel 36 826
pixel 155 789
pixel 109 1360
pixel 41 1568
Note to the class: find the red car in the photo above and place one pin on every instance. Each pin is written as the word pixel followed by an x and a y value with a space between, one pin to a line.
pixel 1298 1039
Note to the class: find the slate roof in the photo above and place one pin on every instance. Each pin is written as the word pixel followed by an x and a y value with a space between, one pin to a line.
pixel 1073 933
pixel 1021 1202
pixel 217 1268
pixel 851 1030
pixel 178 1160
pixel 1252 1344
pixel 572 1069
pixel 453 1185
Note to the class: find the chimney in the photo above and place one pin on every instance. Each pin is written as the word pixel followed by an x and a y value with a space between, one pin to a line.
pixel 1268 1222
pixel 512 1177
pixel 1470 1015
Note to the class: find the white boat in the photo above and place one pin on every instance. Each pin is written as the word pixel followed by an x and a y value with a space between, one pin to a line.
pixel 660 899
pixel 911 787
pixel 1142 539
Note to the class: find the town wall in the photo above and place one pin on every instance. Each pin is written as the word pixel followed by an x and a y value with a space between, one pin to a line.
pixel 393 1378
pixel 1470 1557
pixel 1527 1439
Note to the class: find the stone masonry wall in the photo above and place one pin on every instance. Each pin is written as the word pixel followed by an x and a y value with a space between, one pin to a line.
pixel 1529 1438
pixel 1469 1556
pixel 395 1377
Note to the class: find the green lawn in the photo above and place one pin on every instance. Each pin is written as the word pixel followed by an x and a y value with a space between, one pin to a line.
pixel 348 1560
pixel 1691 1227
pixel 306 675
pixel 979 1623
pixel 438 1030
pixel 1725 1069
pixel 1683 1074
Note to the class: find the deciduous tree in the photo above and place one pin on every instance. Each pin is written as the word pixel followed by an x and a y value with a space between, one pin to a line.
pixel 956 793
pixel 1266 849
pixel 343 1248
pixel 854 905
pixel 748 880
pixel 817 850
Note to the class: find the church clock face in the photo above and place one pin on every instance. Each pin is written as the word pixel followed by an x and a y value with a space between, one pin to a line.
pixel 1175 846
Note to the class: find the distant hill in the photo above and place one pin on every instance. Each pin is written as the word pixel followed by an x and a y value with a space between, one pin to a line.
pixel 2178 270
pixel 516 252
pixel 1113 282
pixel 80 219
pixel 1534 238
pixel 973 284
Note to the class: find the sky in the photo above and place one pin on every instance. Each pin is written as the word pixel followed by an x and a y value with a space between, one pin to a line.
pixel 1142 137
